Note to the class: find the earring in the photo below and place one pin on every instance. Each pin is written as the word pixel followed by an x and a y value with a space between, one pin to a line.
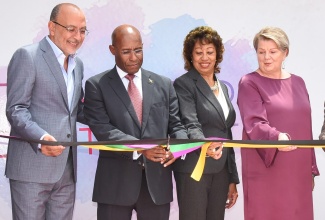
pixel 283 65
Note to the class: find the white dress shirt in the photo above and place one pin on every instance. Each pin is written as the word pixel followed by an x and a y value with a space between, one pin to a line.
pixel 138 83
pixel 67 75
pixel 223 102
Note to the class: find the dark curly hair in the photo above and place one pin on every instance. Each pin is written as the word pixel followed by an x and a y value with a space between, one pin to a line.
pixel 205 35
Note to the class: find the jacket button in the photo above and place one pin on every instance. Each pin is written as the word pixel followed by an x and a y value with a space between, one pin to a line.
pixel 68 135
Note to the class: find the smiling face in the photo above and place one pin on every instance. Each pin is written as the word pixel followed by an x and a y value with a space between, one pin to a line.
pixel 270 57
pixel 127 49
pixel 204 58
pixel 68 42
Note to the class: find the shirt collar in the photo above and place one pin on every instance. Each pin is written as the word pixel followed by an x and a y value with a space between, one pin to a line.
pixel 122 74
pixel 58 53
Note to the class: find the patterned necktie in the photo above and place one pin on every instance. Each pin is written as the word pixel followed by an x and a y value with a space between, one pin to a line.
pixel 135 96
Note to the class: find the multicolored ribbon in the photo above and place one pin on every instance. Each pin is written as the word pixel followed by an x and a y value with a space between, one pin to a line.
pixel 179 147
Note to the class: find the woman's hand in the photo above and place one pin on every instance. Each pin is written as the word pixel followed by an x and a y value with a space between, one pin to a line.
pixel 286 149
pixel 285 137
pixel 232 195
pixel 215 150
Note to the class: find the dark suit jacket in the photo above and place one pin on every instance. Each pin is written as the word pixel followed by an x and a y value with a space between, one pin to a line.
pixel 111 116
pixel 203 117
pixel 37 103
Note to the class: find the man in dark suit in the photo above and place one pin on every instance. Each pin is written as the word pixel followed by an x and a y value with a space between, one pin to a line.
pixel 44 96
pixel 127 181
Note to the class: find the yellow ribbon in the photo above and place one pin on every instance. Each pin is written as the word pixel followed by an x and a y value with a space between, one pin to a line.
pixel 198 170
pixel 278 145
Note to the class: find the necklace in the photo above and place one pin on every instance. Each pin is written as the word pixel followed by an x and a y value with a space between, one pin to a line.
pixel 215 86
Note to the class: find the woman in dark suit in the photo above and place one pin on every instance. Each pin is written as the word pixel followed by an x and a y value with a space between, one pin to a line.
pixel 206 111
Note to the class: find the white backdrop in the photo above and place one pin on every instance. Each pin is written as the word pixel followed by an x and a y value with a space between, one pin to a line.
pixel 164 24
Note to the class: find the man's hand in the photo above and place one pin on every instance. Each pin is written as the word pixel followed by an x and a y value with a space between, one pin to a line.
pixel 169 158
pixel 156 154
pixel 51 151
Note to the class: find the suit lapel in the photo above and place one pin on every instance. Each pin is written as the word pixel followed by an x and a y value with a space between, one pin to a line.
pixel 54 66
pixel 205 90
pixel 77 78
pixel 117 85
pixel 147 91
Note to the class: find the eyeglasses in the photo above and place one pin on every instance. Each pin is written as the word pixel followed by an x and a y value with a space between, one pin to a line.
pixel 73 29
pixel 137 52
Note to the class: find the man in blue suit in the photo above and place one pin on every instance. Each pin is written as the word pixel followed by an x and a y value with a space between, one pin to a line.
pixel 44 96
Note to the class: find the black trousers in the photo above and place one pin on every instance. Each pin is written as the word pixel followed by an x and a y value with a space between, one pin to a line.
pixel 204 199
pixel 145 207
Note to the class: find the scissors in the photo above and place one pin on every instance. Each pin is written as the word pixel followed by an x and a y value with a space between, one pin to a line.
pixel 167 145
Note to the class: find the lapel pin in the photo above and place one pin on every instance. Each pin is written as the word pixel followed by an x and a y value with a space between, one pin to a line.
pixel 150 81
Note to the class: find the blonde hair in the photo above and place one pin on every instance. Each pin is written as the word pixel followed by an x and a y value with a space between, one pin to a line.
pixel 273 33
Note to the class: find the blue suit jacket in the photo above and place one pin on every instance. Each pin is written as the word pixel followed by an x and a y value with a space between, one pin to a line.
pixel 37 103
